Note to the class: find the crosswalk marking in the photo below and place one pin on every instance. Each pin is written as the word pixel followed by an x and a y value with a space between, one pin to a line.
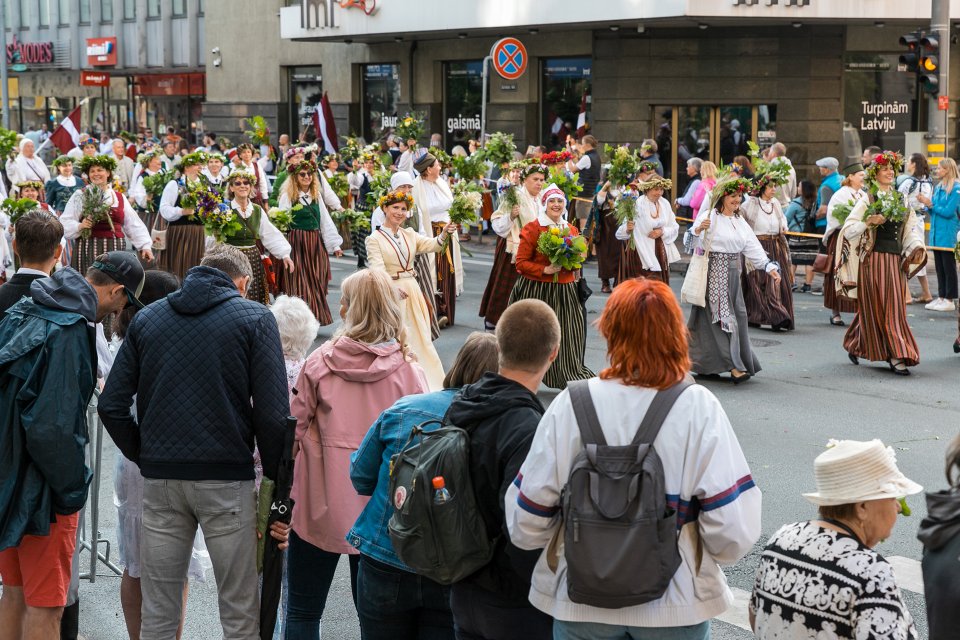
pixel 907 570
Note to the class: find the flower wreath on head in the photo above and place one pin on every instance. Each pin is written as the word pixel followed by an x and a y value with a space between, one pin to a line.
pixel 890 159
pixel 293 151
pixel 216 156
pixel 61 160
pixel 241 173
pixel 531 168
pixel 144 158
pixel 86 142
pixel 192 159
pixel 393 197
pixel 761 182
pixel 27 184
pixel 646 166
pixel 330 157
pixel 655 183
pixel 310 165
pixel 517 165
pixel 99 160
pixel 730 185
pixel 369 156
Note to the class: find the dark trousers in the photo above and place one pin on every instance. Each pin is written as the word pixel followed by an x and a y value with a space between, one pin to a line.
pixel 309 576
pixel 398 605
pixel 480 614
pixel 946 274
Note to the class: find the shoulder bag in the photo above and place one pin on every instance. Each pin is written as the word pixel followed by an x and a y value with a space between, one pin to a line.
pixel 694 290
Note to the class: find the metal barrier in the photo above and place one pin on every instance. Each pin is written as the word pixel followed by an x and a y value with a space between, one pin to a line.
pixel 95 449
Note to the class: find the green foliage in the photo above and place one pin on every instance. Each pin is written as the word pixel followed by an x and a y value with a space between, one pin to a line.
pixel 469 167
pixel 353 220
pixel 282 219
pixel 888 204
pixel 498 149
pixel 624 165
pixel 15 208
pixel 93 205
pixel 8 142
pixel 569 185
pixel 259 132
pixel 624 210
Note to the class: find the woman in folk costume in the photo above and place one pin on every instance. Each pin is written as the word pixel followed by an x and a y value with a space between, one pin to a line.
pixel 768 302
pixel 255 227
pixel 719 338
pixel 27 165
pixel 555 286
pixel 648 239
pixel 880 242
pixel 58 190
pixel 149 163
pixel 261 188
pixel 215 172
pixel 95 237
pixel 312 236
pixel 507 221
pixel 186 240
pixel 850 193
pixel 609 248
pixel 361 184
pixel 393 249
pixel 432 194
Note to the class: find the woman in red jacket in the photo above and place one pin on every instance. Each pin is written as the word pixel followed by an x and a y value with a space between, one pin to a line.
pixel 556 286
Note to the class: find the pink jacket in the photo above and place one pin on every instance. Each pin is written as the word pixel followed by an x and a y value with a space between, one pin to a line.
pixel 706 186
pixel 343 388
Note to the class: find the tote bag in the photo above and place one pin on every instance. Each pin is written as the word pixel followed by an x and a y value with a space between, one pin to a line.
pixel 694 290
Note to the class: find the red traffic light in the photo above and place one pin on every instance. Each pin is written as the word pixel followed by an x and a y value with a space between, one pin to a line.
pixel 911 41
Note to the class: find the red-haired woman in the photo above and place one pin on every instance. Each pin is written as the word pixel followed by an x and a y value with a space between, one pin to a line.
pixel 702 463
pixel 719 338
pixel 537 281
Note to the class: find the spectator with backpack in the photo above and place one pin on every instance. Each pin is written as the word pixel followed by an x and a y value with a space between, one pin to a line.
pixel 671 501
pixel 393 602
pixel 500 413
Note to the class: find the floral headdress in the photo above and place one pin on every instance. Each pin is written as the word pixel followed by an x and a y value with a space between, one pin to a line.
pixel 531 168
pixel 144 158
pixel 330 157
pixel 86 142
pixel 728 185
pixel 393 197
pixel 217 156
pixel 517 165
pixel 655 183
pixel 293 151
pixel 62 160
pixel 100 160
pixel 27 184
pixel 761 182
pixel 245 146
pixel 192 159
pixel 236 174
pixel 647 166
pixel 890 159
pixel 310 165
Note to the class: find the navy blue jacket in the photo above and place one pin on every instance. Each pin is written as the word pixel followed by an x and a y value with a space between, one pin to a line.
pixel 207 371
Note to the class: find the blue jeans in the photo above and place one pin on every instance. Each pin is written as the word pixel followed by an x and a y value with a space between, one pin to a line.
pixel 596 631
pixel 309 576
pixel 394 604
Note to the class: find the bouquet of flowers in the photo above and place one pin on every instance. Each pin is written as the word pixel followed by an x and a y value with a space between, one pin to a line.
pixel 8 142
pixel 410 127
pixel 15 208
pixel 499 148
pixel 351 149
pixel 467 200
pixel 888 204
pixel 509 195
pixel 624 211
pixel 94 205
pixel 259 132
pixel 555 157
pixel 568 184
pixel 338 182
pixel 624 165
pixel 469 167
pixel 842 211
pixel 192 194
pixel 219 220
pixel 779 171
pixel 379 187
pixel 154 186
pixel 353 220
pixel 282 219
pixel 562 248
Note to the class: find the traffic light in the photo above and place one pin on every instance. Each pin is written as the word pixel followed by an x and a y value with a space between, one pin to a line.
pixel 911 59
pixel 929 65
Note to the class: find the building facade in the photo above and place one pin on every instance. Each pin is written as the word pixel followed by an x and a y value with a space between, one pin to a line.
pixel 136 62
pixel 701 77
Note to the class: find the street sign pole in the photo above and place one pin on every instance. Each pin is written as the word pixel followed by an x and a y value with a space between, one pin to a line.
pixel 485 78
pixel 940 28
pixel 5 89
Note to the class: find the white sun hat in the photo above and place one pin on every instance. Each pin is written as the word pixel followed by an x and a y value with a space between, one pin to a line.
pixel 853 471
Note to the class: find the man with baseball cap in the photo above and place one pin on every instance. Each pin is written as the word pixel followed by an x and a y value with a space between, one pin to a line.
pixel 43 410
pixel 829 185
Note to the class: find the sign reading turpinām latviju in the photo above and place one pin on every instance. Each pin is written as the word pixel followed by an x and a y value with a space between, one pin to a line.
pixel 881 116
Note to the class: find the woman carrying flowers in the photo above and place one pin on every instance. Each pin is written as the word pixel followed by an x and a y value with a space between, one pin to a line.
pixel 880 242
pixel 254 227
pixel 100 219
pixel 719 338
pixel 185 241
pixel 312 236
pixel 768 302
pixel 393 248
pixel 144 193
pixel 648 230
pixel 551 282
pixel 518 207
pixel 361 183
pixel 839 207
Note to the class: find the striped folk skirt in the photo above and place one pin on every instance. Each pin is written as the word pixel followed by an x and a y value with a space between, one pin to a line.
pixel 421 266
pixel 769 303
pixel 446 297
pixel 358 238
pixel 186 244
pixel 880 331
pixel 503 276
pixel 86 250
pixel 562 298
pixel 830 298
pixel 312 275
pixel 631 266
pixel 147 216
pixel 608 247
pixel 257 291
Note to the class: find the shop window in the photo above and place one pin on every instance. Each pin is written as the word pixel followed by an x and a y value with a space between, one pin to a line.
pixel 153 8
pixel 381 95
pixel 462 96
pixel 306 89
pixel 84 11
pixel 566 82
pixel 44 13
pixel 106 10
pixel 179 7
pixel 129 9
pixel 879 103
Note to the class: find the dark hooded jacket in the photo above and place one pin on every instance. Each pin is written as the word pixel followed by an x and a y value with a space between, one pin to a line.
pixel 501 417
pixel 207 371
pixel 940 535
pixel 48 367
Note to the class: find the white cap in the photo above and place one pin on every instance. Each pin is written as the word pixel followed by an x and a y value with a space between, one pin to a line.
pixel 399 179
pixel 852 471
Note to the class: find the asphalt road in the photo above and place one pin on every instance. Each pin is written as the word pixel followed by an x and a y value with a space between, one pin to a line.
pixel 806 394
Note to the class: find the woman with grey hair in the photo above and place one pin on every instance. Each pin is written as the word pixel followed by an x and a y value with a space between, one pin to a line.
pixel 684 204
pixel 298 329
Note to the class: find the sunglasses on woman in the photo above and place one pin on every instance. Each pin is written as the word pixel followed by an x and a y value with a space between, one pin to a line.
pixel 304 174
pixel 241 183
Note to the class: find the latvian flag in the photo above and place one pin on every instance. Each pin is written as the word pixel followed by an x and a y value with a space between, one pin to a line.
pixel 67 135
pixel 325 126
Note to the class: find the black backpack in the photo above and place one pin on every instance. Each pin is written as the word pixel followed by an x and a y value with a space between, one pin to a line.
pixel 620 537
pixel 444 542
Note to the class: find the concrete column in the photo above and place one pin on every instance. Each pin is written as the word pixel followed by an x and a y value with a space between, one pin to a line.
pixel 74 21
pixel 96 17
pixel 15 20
pixel 141 34
pixel 118 32
pixel 166 19
pixel 193 33
pixel 54 17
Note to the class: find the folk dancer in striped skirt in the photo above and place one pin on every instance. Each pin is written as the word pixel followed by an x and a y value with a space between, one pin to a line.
pixel 850 192
pixel 768 302
pixel 185 241
pixel 537 281
pixel 880 240
pixel 609 248
pixel 360 182
pixel 507 221
pixel 393 249
pixel 312 236
pixel 256 228
pixel 434 198
pixel 648 240
pixel 719 337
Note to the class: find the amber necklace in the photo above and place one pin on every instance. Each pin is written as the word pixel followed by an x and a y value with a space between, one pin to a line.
pixel 764 209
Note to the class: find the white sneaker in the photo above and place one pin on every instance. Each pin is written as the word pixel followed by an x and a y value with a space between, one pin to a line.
pixel 945 305
pixel 932 305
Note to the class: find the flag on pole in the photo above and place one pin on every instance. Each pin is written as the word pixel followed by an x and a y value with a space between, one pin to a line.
pixel 67 135
pixel 325 126
pixel 582 125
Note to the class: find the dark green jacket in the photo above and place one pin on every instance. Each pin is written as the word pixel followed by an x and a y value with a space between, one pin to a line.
pixel 48 366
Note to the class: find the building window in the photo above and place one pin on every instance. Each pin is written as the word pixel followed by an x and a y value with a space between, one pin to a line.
pixel 84 11
pixel 129 9
pixel 179 7
pixel 306 88
pixel 462 96
pixel 153 8
pixel 106 10
pixel 381 95
pixel 24 13
pixel 566 81
pixel 44 13
pixel 64 6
